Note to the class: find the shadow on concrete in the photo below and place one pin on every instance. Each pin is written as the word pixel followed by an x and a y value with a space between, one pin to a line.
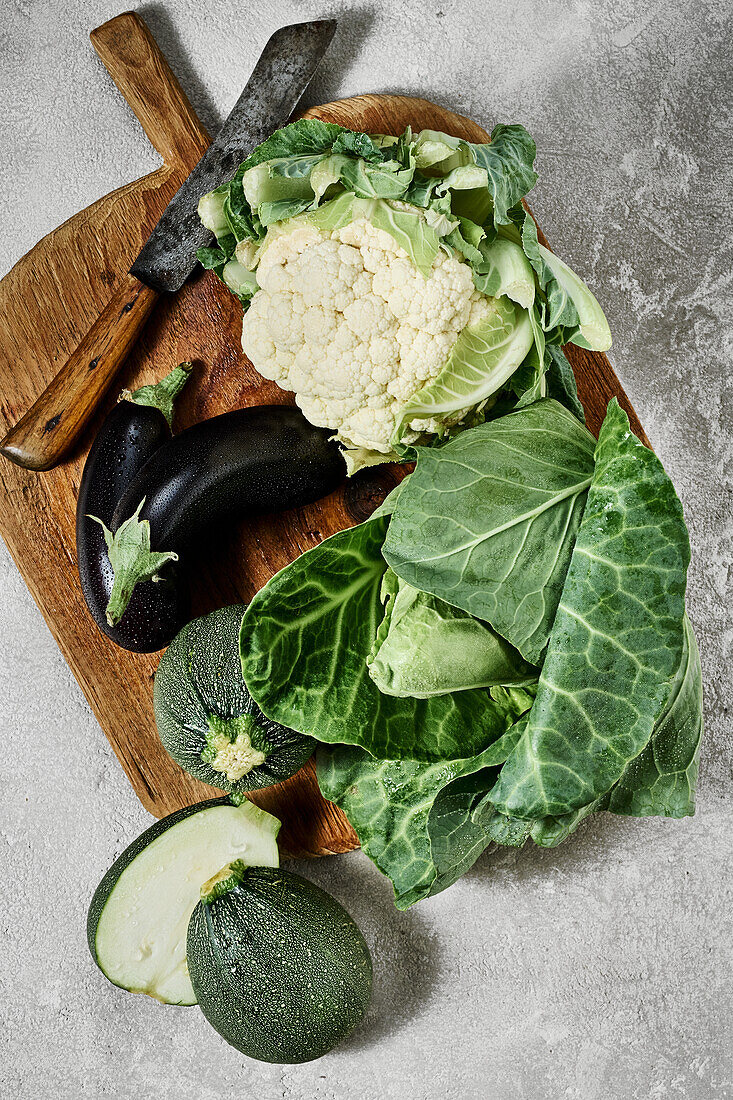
pixel 163 30
pixel 353 29
pixel 405 954
pixel 594 841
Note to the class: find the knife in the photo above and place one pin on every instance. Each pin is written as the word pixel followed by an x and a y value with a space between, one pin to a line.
pixel 54 422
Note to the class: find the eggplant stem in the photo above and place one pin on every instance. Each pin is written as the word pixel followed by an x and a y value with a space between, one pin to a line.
pixel 163 394
pixel 131 559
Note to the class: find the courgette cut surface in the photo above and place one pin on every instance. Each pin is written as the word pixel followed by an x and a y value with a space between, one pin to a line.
pixel 139 914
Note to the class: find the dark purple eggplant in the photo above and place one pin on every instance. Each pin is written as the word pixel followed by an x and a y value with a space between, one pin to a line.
pixel 251 461
pixel 134 430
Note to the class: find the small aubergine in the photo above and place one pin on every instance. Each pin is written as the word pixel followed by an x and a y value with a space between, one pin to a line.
pixel 134 430
pixel 261 459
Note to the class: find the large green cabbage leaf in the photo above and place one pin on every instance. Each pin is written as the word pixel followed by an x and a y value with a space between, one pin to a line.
pixel 488 521
pixel 661 780
pixel 414 819
pixel 617 641
pixel 390 804
pixel 304 644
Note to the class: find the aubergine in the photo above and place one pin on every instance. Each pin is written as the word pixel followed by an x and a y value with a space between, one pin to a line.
pixel 261 459
pixel 207 720
pixel 135 429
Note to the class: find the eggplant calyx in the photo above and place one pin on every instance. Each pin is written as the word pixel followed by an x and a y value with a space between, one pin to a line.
pixel 131 559
pixel 163 394
pixel 232 746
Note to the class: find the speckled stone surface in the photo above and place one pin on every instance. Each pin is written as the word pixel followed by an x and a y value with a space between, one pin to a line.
pixel 602 970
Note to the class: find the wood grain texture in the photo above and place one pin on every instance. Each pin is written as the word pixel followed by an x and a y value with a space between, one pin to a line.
pixel 46 301
pixel 49 429
pixel 45 434
pixel 134 61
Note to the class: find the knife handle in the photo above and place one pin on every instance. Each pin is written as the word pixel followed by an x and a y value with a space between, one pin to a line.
pixel 54 422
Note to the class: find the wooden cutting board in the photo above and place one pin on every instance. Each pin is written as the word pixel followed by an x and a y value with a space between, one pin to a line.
pixel 48 301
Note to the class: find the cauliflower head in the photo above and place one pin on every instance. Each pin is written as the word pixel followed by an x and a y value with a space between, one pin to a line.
pixel 346 321
pixel 396 285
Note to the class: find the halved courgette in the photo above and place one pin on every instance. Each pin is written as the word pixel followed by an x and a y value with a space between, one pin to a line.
pixel 139 914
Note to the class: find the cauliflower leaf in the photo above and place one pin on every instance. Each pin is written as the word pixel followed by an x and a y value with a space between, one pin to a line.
pixel 482 359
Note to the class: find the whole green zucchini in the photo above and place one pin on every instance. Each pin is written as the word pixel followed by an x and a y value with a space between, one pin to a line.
pixel 279 968
pixel 207 719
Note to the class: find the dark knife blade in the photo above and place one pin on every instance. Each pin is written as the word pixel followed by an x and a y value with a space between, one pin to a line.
pixel 279 79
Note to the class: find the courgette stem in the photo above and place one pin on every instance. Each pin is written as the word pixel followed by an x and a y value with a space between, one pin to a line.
pixel 234 746
pixel 223 881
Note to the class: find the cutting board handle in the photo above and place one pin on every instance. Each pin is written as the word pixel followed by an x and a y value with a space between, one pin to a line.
pixel 132 57
pixel 54 422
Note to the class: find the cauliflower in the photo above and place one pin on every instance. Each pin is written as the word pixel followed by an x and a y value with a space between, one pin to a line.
pixel 346 321
pixel 395 284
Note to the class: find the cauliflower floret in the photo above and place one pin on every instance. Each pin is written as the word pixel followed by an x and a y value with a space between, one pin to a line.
pixel 369 316
pixel 434 305
pixel 346 321
pixel 284 246
pixel 479 308
pixel 422 355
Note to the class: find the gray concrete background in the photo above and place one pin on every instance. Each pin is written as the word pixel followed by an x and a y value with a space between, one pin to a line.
pixel 600 971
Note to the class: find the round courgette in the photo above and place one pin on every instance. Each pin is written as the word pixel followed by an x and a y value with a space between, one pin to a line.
pixel 208 721
pixel 139 914
pixel 279 968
